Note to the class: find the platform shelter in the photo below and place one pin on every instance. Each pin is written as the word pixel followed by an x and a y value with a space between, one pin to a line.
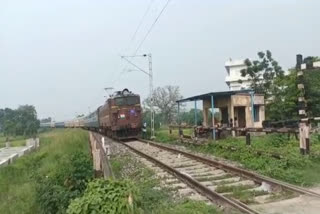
pixel 241 108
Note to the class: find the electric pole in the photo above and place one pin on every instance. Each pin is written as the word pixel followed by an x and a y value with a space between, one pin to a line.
pixel 151 95
pixel 150 74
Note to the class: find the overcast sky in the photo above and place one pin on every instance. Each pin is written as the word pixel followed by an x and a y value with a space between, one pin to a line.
pixel 58 55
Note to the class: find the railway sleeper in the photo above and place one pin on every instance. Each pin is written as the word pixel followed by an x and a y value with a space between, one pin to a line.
pixel 192 167
pixel 196 171
pixel 226 181
pixel 187 165
pixel 211 177
pixel 195 174
pixel 243 183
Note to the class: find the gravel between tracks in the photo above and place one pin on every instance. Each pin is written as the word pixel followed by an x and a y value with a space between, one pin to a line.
pixel 178 188
pixel 302 204
pixel 212 178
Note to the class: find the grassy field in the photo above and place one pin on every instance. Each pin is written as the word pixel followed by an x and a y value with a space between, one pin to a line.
pixel 44 181
pixel 162 135
pixel 290 166
pixel 14 141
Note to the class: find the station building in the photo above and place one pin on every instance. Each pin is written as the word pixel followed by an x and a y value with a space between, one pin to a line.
pixel 234 80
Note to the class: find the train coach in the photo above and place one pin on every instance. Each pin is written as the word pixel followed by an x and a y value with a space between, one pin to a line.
pixel 59 124
pixel 91 121
pixel 75 123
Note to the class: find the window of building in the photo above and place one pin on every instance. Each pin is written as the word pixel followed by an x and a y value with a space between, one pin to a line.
pixel 256 111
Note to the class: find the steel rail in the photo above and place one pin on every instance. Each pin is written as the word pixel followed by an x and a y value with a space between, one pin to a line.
pixel 211 195
pixel 242 172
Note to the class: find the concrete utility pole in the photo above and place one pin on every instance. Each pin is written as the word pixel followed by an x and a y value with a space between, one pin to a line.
pixel 151 95
pixel 150 74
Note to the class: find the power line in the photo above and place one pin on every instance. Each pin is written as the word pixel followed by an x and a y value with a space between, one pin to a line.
pixel 117 77
pixel 141 21
pixel 150 29
pixel 145 37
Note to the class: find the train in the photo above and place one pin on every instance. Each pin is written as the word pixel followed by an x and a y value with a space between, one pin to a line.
pixel 119 117
pixel 52 124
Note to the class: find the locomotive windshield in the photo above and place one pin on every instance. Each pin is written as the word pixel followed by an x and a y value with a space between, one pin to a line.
pixel 121 101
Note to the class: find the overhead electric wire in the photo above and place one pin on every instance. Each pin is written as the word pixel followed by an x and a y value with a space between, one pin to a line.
pixel 146 35
pixel 141 21
pixel 117 77
pixel 150 29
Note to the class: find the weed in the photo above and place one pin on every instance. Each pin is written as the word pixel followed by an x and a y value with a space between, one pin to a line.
pixel 188 207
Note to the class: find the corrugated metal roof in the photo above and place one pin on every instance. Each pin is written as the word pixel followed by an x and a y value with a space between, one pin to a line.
pixel 214 94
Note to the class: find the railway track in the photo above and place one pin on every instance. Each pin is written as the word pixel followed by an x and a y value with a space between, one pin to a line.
pixel 219 182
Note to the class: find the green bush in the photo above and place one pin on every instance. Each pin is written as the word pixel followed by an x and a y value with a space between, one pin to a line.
pixel 277 140
pixel 55 190
pixel 104 197
pixel 189 207
pixel 46 180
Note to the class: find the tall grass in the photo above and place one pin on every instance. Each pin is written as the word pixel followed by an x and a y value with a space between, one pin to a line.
pixel 14 141
pixel 20 182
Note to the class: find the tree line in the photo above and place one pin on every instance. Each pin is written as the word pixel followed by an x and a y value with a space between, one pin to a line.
pixel 20 121
pixel 280 89
pixel 267 78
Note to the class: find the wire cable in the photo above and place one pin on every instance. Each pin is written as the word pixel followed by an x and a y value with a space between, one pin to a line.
pixel 124 67
pixel 145 37
pixel 150 29
pixel 141 21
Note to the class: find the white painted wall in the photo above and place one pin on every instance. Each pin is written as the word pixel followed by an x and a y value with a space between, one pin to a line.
pixel 234 68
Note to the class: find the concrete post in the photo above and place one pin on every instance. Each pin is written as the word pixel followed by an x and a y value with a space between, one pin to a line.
pixel 205 116
pixel 7 144
pixel 212 113
pixel 302 138
pixel 195 113
pixel 248 139
pixel 103 144
pixel 232 116
pixel 252 107
pixel 179 122
pixel 307 139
